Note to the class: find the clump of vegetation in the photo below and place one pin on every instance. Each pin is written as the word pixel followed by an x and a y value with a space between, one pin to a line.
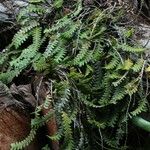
pixel 96 74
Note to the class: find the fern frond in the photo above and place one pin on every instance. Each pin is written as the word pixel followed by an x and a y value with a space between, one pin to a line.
pixel 49 50
pixel 30 12
pixel 61 23
pixel 137 67
pixel 40 64
pixel 113 120
pixel 47 102
pixel 60 54
pixel 79 9
pixel 69 33
pixel 46 147
pixel 23 144
pixel 131 87
pixel 88 103
pixel 142 107
pixel 113 63
pixel 3 58
pixel 120 80
pixel 98 124
pixel 119 94
pixel 58 3
pixel 120 133
pixel 7 77
pixel 107 90
pixel 127 64
pixel 131 49
pixel 22 35
pixel 84 55
pixel 40 121
pixel 57 136
pixel 69 144
pixel 36 1
pixel 63 96
pixel 111 142
pixel 36 38
pixel 24 59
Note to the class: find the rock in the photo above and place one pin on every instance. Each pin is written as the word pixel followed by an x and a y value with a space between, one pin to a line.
pixel 2 8
pixel 144 39
pixel 20 3
pixel 14 120
pixel 9 9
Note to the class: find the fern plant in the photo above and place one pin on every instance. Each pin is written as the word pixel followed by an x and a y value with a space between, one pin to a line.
pixel 96 75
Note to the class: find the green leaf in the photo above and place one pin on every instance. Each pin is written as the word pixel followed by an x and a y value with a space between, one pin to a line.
pixel 147 69
pixel 58 3
pixel 127 64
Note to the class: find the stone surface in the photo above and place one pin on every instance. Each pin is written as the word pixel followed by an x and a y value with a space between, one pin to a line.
pixel 14 120
pixel 9 9
pixel 144 37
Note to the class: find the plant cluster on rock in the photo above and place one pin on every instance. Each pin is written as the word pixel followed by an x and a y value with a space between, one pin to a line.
pixel 88 75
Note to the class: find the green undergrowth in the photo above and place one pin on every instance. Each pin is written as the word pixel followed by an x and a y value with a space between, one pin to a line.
pixel 96 73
